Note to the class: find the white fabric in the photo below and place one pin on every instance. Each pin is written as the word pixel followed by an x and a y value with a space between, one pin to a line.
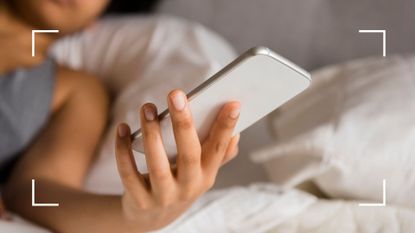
pixel 350 130
pixel 252 209
pixel 345 217
pixel 266 208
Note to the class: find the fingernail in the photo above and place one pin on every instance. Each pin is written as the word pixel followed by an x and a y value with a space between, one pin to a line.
pixel 122 130
pixel 235 113
pixel 149 113
pixel 179 101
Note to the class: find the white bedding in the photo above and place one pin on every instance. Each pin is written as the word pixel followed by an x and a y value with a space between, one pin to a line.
pixel 347 217
pixel 350 130
pixel 266 208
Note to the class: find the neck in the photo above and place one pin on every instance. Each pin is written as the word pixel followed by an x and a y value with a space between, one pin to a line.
pixel 11 23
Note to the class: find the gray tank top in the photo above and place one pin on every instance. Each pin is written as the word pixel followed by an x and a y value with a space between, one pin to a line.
pixel 25 103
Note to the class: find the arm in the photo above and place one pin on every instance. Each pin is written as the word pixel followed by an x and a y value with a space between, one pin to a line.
pixel 60 156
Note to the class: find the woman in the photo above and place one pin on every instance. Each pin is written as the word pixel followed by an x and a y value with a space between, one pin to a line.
pixel 51 120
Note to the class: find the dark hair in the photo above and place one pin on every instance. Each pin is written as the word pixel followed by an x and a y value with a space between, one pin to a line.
pixel 131 6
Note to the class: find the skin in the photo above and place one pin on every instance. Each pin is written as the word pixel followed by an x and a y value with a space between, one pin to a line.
pixel 16 43
pixel 60 156
pixel 65 15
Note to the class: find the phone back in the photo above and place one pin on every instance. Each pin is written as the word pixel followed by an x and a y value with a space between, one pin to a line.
pixel 259 79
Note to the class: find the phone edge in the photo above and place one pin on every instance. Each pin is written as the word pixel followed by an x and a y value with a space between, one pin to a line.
pixel 259 50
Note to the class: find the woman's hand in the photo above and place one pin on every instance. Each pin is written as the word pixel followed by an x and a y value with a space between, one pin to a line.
pixel 153 201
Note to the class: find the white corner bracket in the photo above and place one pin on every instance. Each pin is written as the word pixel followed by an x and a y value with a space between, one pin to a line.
pixel 377 204
pixel 34 38
pixel 383 32
pixel 34 204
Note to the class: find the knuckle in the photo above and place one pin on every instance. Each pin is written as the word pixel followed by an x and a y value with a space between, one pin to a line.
pixel 183 124
pixel 161 175
pixel 220 146
pixel 143 205
pixel 227 124
pixel 187 195
pixel 150 135
pixel 127 176
pixel 190 159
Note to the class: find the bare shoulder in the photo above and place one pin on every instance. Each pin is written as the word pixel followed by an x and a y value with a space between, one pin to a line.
pixel 70 82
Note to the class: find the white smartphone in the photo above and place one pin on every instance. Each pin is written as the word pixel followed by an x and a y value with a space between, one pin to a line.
pixel 259 79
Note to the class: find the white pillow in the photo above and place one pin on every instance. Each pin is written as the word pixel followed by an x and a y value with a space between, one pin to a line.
pixel 354 127
pixel 140 59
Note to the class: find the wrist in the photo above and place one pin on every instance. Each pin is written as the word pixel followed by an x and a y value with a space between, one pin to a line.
pixel 131 220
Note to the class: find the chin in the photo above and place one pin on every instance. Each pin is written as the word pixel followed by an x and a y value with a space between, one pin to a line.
pixel 46 14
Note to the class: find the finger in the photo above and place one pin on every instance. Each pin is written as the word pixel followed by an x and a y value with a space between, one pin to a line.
pixel 216 144
pixel 232 149
pixel 127 168
pixel 187 140
pixel 157 162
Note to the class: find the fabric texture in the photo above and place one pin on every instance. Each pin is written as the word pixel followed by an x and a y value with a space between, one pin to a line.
pixel 255 208
pixel 350 130
pixel 339 216
pixel 25 102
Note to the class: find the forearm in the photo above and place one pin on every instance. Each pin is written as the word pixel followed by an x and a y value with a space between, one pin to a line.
pixel 78 211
